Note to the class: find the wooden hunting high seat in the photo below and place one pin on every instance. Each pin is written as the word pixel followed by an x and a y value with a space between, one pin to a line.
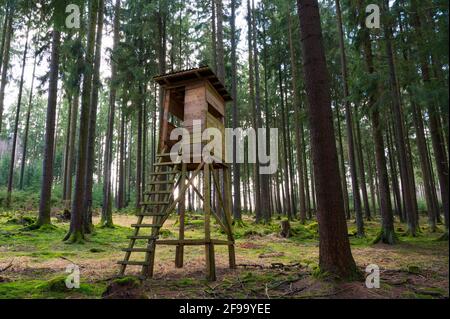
pixel 191 95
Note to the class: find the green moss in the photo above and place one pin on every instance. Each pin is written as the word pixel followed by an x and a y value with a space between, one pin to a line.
pixel 185 282
pixel 413 269
pixel 127 281
pixel 48 289
pixel 313 227
pixel 57 284
pixel 96 250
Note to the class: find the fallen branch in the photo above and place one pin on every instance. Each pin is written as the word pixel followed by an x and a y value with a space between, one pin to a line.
pixel 7 267
pixel 71 261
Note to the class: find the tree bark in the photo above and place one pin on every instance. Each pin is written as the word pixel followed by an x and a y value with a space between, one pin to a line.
pixel 27 124
pixel 399 131
pixel 220 48
pixel 257 193
pixel 263 178
pixel 47 167
pixel 298 124
pixel 106 218
pixel 350 135
pixel 236 167
pixel 16 121
pixel 90 160
pixel 335 255
pixel 79 205
pixel 5 64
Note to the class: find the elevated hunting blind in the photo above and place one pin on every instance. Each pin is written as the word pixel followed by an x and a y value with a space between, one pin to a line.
pixel 192 97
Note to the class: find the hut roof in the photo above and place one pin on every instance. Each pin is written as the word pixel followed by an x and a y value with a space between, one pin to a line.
pixel 203 72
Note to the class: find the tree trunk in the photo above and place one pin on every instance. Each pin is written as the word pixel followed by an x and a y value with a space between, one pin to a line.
pixel 5 62
pixel 106 218
pixel 27 123
pixel 361 167
pixel 437 138
pixel 263 178
pixel 287 198
pixel 236 167
pixel 220 49
pixel 16 122
pixel 77 223
pixel 138 106
pixel 90 160
pixel 350 135
pixel 5 26
pixel 432 207
pixel 214 33
pixel 335 255
pixel 47 168
pixel 342 166
pixel 121 188
pixel 399 132
pixel 253 103
pixel 298 125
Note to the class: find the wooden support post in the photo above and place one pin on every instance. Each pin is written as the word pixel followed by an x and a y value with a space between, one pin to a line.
pixel 209 247
pixel 227 211
pixel 179 254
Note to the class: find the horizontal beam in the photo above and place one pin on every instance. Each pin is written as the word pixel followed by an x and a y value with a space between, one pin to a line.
pixel 194 242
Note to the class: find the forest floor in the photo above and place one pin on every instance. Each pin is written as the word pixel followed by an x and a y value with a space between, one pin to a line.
pixel 33 263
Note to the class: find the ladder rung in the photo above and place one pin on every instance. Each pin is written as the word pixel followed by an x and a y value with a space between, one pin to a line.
pixel 158 192
pixel 143 237
pixel 137 250
pixel 164 173
pixel 162 182
pixel 134 263
pixel 154 203
pixel 168 154
pixel 151 214
pixel 146 226
pixel 165 164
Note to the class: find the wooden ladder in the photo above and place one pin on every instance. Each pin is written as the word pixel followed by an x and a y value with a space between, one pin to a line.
pixel 157 205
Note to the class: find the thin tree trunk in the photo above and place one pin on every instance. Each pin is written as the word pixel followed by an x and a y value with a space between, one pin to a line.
pixel 27 124
pixel 90 161
pixel 47 167
pixel 121 188
pixel 287 202
pixel 106 218
pixel 16 121
pixel 298 125
pixel 399 132
pixel 361 167
pixel 77 223
pixel 5 64
pixel 342 166
pixel 220 48
pixel 263 178
pixel 253 103
pixel 350 135
pixel 236 167
pixel 214 33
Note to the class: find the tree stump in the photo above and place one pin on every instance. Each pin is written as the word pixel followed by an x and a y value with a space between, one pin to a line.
pixel 285 229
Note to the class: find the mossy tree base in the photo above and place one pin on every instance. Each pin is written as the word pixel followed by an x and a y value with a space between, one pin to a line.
pixel 239 223
pixel 106 224
pixel 444 237
pixel 76 237
pixel 40 226
pixel 386 237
